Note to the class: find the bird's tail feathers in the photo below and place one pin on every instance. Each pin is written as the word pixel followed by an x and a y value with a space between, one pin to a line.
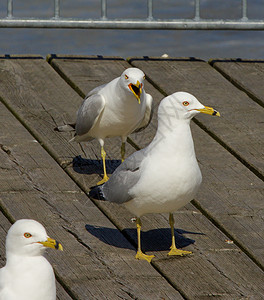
pixel 97 193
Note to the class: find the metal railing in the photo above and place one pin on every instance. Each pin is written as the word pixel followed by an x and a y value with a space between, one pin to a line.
pixel 196 23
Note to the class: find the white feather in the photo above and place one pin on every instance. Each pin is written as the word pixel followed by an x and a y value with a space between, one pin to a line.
pixel 27 275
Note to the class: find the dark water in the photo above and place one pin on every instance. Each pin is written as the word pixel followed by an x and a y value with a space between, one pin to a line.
pixel 125 43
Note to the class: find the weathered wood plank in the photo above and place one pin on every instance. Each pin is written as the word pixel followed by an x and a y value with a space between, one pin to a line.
pixel 41 117
pixel 36 187
pixel 217 275
pixel 74 77
pixel 4 226
pixel 231 195
pixel 216 266
pixel 234 179
pixel 247 75
pixel 237 211
pixel 240 128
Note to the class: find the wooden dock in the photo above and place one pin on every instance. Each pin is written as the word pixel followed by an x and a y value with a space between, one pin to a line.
pixel 46 178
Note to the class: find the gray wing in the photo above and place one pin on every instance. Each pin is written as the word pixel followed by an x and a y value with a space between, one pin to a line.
pixel 148 114
pixel 95 90
pixel 89 113
pixel 116 189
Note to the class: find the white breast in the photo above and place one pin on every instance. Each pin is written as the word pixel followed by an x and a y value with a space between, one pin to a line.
pixel 30 278
pixel 120 118
pixel 170 176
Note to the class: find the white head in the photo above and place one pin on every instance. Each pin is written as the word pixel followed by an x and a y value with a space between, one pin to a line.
pixel 132 79
pixel 28 238
pixel 183 106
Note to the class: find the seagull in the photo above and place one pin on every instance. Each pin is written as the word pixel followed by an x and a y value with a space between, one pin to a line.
pixel 165 175
pixel 27 274
pixel 117 108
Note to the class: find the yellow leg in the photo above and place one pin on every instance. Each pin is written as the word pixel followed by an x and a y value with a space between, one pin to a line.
pixel 123 151
pixel 174 250
pixel 140 254
pixel 105 178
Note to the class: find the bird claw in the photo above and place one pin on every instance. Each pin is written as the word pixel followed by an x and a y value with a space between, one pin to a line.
pixel 175 251
pixel 142 256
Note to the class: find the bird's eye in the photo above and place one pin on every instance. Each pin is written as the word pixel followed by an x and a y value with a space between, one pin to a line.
pixel 126 77
pixel 27 235
pixel 185 103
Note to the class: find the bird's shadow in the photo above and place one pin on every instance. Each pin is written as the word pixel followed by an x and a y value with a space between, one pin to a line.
pixel 151 240
pixel 93 166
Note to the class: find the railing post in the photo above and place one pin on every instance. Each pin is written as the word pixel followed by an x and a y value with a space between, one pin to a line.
pixel 10 8
pixel 150 10
pixel 244 10
pixel 103 9
pixel 197 10
pixel 56 9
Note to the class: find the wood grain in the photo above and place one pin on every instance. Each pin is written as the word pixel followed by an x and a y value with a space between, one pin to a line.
pixel 101 257
pixel 240 128
pixel 247 75
pixel 91 266
pixel 236 192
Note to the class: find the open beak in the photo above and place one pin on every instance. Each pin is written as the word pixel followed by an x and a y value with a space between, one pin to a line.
pixel 209 111
pixel 136 90
pixel 51 243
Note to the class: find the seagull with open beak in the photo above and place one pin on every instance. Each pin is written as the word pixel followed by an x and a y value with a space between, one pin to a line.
pixel 117 108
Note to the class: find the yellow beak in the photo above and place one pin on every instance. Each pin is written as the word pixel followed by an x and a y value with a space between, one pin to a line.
pixel 51 243
pixel 136 89
pixel 209 111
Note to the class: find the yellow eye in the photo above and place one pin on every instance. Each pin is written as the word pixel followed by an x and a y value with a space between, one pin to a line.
pixel 27 235
pixel 126 77
pixel 185 103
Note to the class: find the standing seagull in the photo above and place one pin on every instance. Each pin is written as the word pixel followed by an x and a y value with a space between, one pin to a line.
pixel 117 108
pixel 165 175
pixel 27 275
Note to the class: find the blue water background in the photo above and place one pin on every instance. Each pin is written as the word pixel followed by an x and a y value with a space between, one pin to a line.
pixel 127 43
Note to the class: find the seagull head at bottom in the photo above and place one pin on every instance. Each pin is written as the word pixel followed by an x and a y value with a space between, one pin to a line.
pixel 29 238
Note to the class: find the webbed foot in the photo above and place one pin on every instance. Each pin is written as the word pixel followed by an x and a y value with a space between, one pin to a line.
pixel 175 251
pixel 141 255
